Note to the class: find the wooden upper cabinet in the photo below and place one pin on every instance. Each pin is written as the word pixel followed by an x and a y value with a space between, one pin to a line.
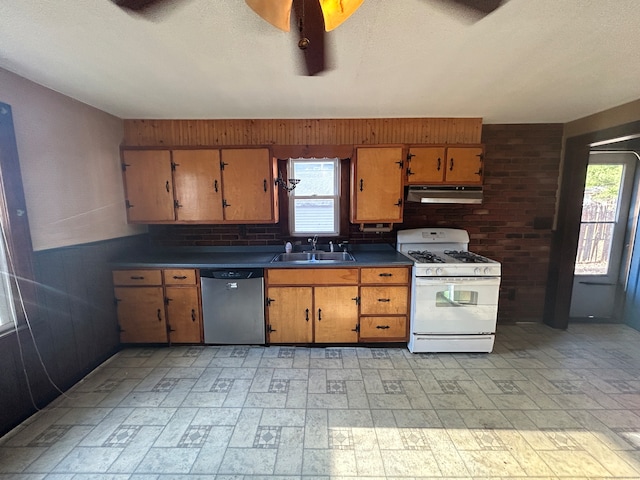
pixel 248 185
pixel 426 165
pixel 445 165
pixel 377 185
pixel 464 165
pixel 198 186
pixel 148 186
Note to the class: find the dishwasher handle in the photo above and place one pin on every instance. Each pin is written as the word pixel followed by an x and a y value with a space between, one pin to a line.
pixel 232 273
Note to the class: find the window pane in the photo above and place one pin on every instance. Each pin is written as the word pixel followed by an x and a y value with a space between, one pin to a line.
pixel 594 247
pixel 314 216
pixel 601 192
pixel 316 177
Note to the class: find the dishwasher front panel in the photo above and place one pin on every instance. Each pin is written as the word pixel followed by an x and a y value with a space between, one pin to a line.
pixel 233 311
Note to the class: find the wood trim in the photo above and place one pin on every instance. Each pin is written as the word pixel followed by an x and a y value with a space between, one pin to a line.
pixel 13 211
pixel 371 131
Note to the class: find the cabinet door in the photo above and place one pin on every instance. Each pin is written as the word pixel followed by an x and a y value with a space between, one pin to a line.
pixel 248 185
pixel 148 186
pixel 384 300
pixel 183 314
pixel 377 185
pixel 290 314
pixel 464 165
pixel 336 314
pixel 141 314
pixel 426 165
pixel 198 189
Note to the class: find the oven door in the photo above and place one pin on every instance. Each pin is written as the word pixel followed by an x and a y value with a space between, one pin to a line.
pixel 450 305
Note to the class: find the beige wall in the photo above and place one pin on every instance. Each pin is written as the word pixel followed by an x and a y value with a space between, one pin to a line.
pixel 69 157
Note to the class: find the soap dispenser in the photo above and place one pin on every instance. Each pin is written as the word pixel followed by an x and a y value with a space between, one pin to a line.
pixel 288 247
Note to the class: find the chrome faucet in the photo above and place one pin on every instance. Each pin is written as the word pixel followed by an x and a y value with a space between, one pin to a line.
pixel 330 246
pixel 313 241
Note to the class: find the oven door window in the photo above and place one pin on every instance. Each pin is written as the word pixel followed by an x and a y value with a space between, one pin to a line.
pixel 456 298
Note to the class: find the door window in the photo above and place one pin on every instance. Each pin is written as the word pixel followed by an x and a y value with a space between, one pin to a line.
pixel 600 212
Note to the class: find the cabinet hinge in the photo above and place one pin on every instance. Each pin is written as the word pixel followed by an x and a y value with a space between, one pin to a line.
pixel 224 203
pixel 120 329
pixel 400 164
pixel 124 166
pixel 174 165
pixel 116 300
pixel 270 329
pixel 399 203
pixel 357 300
pixel 268 301
pixel 357 329
pixel 176 204
pixel 222 164
pixel 410 156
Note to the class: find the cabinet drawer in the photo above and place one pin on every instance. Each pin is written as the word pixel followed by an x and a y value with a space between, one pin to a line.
pixel 383 300
pixel 312 276
pixel 384 275
pixel 383 327
pixel 137 277
pixel 180 277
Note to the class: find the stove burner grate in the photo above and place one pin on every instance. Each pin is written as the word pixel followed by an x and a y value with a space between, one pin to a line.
pixel 424 256
pixel 466 257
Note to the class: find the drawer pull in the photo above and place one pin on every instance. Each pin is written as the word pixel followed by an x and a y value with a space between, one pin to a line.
pixel 193 314
pixel 306 314
pixel 319 314
pixel 137 277
pixel 159 316
pixel 383 327
pixel 384 299
pixel 386 274
pixel 181 277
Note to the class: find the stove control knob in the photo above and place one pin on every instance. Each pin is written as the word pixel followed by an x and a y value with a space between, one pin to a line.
pixel 427 271
pixel 477 270
pixel 487 270
pixel 438 271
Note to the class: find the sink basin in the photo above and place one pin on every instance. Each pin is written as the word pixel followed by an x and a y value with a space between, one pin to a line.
pixel 314 257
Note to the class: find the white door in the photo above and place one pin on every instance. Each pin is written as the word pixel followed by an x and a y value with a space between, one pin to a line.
pixel 599 270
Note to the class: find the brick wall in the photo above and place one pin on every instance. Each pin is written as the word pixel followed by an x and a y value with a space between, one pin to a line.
pixel 512 225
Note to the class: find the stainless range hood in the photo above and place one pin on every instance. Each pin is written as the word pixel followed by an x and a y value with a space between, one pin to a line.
pixel 444 194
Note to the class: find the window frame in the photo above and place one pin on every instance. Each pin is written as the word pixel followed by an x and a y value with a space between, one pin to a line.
pixel 336 197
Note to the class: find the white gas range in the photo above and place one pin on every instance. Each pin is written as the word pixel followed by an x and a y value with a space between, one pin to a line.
pixel 454 293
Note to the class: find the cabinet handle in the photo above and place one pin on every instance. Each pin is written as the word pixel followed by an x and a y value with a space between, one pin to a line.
pixel 180 277
pixel 193 314
pixel 306 314
pixel 225 204
pixel 159 316
pixel 215 185
pixel 319 314
pixel 384 299
pixel 386 274
pixel 398 203
pixel 264 184
pixel 357 328
pixel 451 164
pixel 357 300
pixel 166 185
pixel 383 327
pixel 137 277
pixel 439 163
pixel 271 329
pixel 169 329
pixel 361 184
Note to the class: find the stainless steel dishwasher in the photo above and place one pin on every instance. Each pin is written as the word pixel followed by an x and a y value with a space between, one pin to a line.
pixel 233 306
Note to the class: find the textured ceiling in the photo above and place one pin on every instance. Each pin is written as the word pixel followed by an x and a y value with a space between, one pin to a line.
pixel 529 61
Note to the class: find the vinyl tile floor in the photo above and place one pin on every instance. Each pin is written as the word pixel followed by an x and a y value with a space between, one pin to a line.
pixel 546 404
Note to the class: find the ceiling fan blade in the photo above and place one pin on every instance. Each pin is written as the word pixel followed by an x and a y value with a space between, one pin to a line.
pixel 276 12
pixel 337 11
pixel 135 4
pixel 484 7
pixel 311 22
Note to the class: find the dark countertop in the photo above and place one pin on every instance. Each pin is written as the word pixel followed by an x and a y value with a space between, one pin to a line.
pixel 252 257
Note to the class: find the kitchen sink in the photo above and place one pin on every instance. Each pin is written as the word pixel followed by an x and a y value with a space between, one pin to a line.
pixel 313 257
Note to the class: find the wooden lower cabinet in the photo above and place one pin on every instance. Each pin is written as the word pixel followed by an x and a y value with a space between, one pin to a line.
pixel 158 306
pixel 141 315
pixel 336 314
pixel 290 314
pixel 340 305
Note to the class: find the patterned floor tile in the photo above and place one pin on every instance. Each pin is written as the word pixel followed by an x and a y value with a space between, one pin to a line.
pixel 393 387
pixel 279 386
pixel 508 387
pixel 336 386
pixel 165 385
pixel 414 439
pixel 122 436
pixel 195 436
pixel 333 353
pixel 222 385
pixel 50 436
pixel 341 439
pixel 451 387
pixel 287 352
pixel 267 437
